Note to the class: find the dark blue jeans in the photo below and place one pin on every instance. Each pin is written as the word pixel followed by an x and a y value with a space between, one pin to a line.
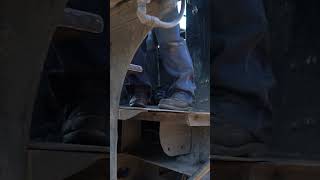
pixel 242 74
pixel 174 56
pixel 141 79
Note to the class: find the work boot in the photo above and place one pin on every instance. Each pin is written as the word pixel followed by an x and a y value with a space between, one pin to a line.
pixel 230 140
pixel 239 126
pixel 139 98
pixel 179 100
pixel 86 123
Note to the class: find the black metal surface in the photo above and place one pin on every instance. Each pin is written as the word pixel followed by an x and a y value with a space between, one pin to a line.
pixel 82 21
pixel 294 50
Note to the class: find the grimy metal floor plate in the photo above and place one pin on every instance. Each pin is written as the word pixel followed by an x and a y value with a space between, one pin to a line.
pixel 171 163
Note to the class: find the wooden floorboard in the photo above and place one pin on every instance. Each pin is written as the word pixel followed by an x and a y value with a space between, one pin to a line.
pixel 268 160
pixel 190 118
pixel 68 147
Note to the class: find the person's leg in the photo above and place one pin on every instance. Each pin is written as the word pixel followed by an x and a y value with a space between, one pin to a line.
pixel 138 84
pixel 241 74
pixel 177 62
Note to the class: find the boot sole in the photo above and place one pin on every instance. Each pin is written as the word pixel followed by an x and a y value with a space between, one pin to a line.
pixel 170 107
pixel 248 150
pixel 85 137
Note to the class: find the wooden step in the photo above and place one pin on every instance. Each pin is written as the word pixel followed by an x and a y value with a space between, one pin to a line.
pixel 54 161
pixel 235 159
pixel 68 147
pixel 226 168
pixel 189 118
pixel 268 160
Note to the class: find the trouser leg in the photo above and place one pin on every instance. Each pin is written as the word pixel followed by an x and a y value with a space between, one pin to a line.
pixel 175 56
pixel 140 79
pixel 241 74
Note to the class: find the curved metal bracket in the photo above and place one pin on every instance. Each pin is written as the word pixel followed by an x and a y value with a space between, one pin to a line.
pixel 153 21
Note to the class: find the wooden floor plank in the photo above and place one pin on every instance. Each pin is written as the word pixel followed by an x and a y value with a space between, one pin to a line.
pixel 68 147
pixel 190 118
pixel 269 160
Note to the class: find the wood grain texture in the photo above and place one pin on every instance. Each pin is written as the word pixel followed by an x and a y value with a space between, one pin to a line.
pixel 126 34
